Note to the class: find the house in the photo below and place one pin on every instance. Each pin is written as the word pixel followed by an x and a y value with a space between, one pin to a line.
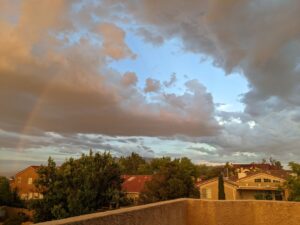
pixel 252 185
pixel 24 182
pixel 134 184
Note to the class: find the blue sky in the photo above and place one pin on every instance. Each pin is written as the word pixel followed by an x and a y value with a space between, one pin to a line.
pixel 161 61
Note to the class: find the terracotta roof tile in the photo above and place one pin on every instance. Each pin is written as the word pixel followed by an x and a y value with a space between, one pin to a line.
pixel 135 183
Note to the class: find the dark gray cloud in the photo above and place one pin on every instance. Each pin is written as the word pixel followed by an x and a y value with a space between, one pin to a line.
pixel 259 39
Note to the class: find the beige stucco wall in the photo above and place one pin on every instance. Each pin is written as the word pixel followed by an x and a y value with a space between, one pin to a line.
pixel 230 191
pixel 196 212
pixel 162 213
pixel 262 176
pixel 202 212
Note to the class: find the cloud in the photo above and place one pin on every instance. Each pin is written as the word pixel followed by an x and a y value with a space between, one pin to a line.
pixel 150 37
pixel 227 32
pixel 258 39
pixel 129 78
pixel 56 78
pixel 113 41
pixel 152 85
pixel 172 81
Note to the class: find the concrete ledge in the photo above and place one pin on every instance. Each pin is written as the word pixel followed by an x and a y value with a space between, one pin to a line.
pixel 162 213
pixel 195 212
pixel 244 212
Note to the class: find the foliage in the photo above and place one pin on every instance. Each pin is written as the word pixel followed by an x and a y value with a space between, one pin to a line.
pixel 275 163
pixel 8 196
pixel 134 164
pixel 174 179
pixel 16 220
pixel 293 182
pixel 207 172
pixel 221 193
pixel 77 187
pixel 263 195
pixel 259 196
pixel 158 163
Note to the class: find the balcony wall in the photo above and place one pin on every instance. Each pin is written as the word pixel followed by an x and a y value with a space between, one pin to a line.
pixel 195 212
pixel 162 213
pixel 243 213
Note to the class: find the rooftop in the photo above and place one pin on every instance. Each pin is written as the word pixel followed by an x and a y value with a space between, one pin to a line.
pixel 135 183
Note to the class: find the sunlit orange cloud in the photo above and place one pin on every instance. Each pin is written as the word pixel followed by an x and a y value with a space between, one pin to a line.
pixel 48 85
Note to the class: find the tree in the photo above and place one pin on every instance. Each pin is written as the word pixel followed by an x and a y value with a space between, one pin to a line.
pixel 9 196
pixel 221 194
pixel 77 187
pixel 275 163
pixel 174 179
pixel 158 163
pixel 134 164
pixel 208 172
pixel 293 182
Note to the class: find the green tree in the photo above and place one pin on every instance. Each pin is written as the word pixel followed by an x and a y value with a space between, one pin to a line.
pixel 158 163
pixel 207 172
pixel 134 164
pixel 174 179
pixel 77 187
pixel 9 196
pixel 293 182
pixel 221 193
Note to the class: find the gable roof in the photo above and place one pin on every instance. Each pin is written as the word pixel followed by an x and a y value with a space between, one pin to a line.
pixel 135 183
pixel 216 179
pixel 22 171
pixel 275 173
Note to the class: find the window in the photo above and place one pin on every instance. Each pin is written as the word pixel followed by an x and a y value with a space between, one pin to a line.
pixel 267 180
pixel 30 180
pixel 19 180
pixel 276 181
pixel 30 195
pixel 206 193
pixel 257 180
pixel 23 196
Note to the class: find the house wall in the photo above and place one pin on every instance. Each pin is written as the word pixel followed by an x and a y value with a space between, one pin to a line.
pixel 230 191
pixel 262 176
pixel 26 190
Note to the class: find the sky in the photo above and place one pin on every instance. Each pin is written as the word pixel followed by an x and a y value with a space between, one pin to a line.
pixel 211 80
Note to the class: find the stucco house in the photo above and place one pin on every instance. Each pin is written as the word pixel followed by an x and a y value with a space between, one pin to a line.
pixel 24 182
pixel 252 185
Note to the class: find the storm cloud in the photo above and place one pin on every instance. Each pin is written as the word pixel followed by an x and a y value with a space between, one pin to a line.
pixel 57 78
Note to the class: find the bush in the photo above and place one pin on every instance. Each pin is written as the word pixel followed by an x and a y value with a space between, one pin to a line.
pixel 16 220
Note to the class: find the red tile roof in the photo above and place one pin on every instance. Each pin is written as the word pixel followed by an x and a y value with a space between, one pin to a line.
pixel 262 166
pixel 135 183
